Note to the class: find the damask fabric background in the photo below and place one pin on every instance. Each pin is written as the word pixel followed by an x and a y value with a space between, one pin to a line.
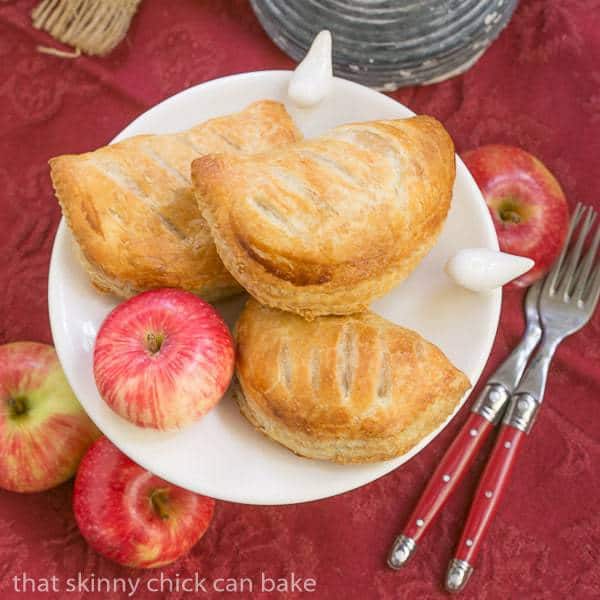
pixel 537 87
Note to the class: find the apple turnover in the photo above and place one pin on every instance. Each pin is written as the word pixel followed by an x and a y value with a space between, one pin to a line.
pixel 326 225
pixel 131 208
pixel 344 388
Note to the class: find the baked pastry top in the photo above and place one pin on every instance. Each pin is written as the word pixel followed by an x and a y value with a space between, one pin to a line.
pixel 343 388
pixel 131 209
pixel 326 225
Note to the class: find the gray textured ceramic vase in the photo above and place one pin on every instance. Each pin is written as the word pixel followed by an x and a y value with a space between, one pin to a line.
pixel 388 44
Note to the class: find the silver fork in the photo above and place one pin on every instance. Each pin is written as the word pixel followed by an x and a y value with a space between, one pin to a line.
pixel 566 303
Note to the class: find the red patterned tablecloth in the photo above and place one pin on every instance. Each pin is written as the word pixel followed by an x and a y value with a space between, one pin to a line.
pixel 537 87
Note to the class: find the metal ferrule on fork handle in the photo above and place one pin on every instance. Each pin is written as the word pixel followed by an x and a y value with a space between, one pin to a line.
pixel 521 412
pixel 491 402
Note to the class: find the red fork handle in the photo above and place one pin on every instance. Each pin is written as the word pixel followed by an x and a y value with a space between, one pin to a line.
pixel 491 488
pixel 447 476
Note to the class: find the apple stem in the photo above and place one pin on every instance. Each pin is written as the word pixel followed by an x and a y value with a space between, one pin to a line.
pixel 160 502
pixel 154 341
pixel 18 405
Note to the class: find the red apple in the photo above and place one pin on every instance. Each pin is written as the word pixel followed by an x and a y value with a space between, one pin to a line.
pixel 131 516
pixel 528 206
pixel 44 431
pixel 163 359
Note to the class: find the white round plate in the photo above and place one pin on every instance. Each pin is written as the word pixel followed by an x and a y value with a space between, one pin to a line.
pixel 222 455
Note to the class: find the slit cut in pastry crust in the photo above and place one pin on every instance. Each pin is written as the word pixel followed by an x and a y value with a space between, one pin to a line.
pixel 131 208
pixel 327 225
pixel 348 389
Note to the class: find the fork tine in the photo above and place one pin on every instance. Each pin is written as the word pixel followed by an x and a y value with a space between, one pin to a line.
pixel 572 258
pixel 594 291
pixel 586 267
pixel 552 278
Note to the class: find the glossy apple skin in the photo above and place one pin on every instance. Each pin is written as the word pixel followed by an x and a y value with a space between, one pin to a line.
pixel 510 178
pixel 44 431
pixel 114 509
pixel 183 379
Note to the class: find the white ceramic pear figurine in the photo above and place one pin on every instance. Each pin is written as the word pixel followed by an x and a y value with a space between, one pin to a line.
pixel 312 80
pixel 482 270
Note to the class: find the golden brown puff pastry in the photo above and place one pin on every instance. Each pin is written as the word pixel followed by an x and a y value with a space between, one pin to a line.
pixel 327 225
pixel 131 208
pixel 344 388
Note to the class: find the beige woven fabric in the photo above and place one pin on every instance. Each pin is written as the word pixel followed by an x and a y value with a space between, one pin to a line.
pixel 92 26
